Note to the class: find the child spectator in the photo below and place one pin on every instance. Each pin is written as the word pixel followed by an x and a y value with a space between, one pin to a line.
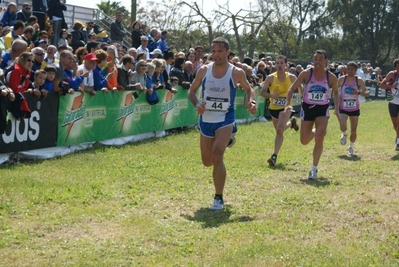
pixel 36 87
pixel 152 96
pixel 50 75
pixel 100 80
pixel 174 81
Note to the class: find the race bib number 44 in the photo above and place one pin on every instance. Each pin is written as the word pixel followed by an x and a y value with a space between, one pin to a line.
pixel 279 101
pixel 217 104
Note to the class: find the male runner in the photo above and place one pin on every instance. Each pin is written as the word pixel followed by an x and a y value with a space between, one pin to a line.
pixel 315 103
pixel 276 87
pixel 391 84
pixel 218 80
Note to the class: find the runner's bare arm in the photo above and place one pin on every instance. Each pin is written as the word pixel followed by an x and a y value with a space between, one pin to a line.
pixel 265 88
pixel 363 89
pixel 387 82
pixel 302 78
pixel 240 77
pixel 195 85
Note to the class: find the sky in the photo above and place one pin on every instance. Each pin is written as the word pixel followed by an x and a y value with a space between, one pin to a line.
pixel 234 5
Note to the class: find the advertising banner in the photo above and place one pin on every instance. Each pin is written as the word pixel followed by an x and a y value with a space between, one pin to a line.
pixel 37 131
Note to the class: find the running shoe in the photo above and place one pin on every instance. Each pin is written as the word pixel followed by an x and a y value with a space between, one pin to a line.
pixel 343 139
pixel 397 147
pixel 217 205
pixel 232 141
pixel 294 125
pixel 351 152
pixel 313 175
pixel 272 160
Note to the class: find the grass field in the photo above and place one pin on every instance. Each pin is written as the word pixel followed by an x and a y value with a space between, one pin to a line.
pixel 146 203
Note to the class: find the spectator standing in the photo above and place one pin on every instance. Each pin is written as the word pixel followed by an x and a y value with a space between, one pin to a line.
pixel 55 12
pixel 163 45
pixel 136 34
pixel 117 31
pixel 39 8
pixel 143 47
pixel 87 30
pixel 24 14
pixel 154 40
pixel 77 38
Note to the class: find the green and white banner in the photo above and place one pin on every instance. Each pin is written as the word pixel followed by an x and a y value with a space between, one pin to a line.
pixel 86 118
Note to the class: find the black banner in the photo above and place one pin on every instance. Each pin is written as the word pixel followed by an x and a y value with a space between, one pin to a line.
pixel 39 131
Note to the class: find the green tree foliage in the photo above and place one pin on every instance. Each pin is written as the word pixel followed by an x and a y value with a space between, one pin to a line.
pixel 369 28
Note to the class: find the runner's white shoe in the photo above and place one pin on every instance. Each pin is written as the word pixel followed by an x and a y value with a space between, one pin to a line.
pixel 343 139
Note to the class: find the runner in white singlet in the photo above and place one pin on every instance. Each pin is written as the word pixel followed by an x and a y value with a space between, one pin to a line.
pixel 391 84
pixel 218 80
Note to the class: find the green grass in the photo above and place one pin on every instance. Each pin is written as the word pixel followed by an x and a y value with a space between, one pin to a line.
pixel 146 203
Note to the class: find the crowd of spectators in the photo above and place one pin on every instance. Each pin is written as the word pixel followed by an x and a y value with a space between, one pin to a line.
pixel 71 60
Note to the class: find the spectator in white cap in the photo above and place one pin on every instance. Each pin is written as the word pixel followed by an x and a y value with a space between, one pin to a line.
pixel 157 53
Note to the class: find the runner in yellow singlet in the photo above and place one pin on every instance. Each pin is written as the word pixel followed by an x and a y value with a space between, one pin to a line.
pixel 275 88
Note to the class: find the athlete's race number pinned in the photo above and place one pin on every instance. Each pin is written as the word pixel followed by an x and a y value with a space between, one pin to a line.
pixel 279 101
pixel 217 104
pixel 349 103
pixel 316 97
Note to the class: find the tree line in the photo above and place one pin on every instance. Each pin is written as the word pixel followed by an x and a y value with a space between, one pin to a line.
pixel 346 29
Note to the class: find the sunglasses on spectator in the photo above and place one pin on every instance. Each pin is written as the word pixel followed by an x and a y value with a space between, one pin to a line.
pixel 27 8
pixel 144 66
pixel 29 60
pixel 39 54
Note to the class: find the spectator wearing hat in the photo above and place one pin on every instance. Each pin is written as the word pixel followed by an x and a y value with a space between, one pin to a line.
pixel 18 29
pixel 157 53
pixel 42 43
pixel 90 62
